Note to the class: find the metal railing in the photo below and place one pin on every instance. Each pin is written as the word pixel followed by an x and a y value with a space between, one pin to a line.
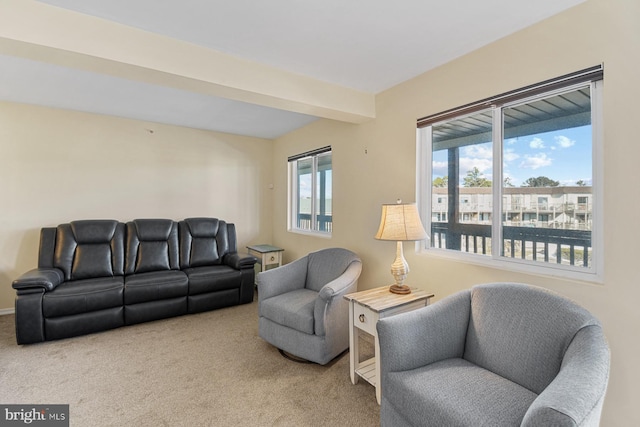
pixel 561 246
pixel 325 223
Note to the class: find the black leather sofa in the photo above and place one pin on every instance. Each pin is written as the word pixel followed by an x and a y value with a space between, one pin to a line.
pixel 95 275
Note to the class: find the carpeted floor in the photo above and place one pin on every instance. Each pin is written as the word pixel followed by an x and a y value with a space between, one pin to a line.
pixel 209 369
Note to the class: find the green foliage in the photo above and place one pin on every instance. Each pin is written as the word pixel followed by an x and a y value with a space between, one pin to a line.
pixel 541 181
pixel 475 179
pixel 441 182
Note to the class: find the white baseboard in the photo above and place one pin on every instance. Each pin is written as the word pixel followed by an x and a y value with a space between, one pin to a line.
pixel 4 311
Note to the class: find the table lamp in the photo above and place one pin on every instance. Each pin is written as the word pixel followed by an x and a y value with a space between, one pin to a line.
pixel 400 222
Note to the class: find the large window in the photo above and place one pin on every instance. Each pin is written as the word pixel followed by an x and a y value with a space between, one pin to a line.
pixel 310 181
pixel 514 179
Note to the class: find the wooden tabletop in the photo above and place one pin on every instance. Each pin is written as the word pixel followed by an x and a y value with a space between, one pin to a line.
pixel 264 248
pixel 380 299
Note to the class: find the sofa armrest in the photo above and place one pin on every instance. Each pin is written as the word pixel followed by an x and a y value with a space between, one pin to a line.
pixel 424 336
pixel 240 261
pixel 576 395
pixel 286 278
pixel 39 278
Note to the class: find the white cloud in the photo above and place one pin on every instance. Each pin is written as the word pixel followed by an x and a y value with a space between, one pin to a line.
pixel 563 141
pixel 510 155
pixel 440 168
pixel 468 163
pixel 535 162
pixel 536 143
pixel 480 151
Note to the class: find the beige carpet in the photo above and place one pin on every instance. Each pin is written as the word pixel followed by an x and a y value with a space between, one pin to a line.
pixel 209 369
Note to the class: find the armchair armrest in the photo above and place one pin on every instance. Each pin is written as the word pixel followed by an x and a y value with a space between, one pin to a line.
pixel 286 278
pixel 576 394
pixel 342 284
pixel 420 337
pixel 39 278
pixel 240 261
pixel 330 299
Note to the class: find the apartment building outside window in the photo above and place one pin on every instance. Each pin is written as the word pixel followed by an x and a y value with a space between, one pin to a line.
pixel 520 173
pixel 310 189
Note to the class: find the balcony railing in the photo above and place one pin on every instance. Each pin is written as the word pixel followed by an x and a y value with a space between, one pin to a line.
pixel 325 223
pixel 561 246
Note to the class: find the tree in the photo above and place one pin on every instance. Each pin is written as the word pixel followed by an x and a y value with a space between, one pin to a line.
pixel 475 179
pixel 541 181
pixel 507 182
pixel 581 183
pixel 441 181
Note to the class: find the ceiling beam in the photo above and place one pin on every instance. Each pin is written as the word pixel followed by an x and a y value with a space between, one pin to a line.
pixel 49 34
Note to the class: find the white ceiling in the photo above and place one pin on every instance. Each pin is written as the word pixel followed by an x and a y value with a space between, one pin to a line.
pixel 367 45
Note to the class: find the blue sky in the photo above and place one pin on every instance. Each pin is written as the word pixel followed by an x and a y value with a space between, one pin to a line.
pixel 304 191
pixel 564 155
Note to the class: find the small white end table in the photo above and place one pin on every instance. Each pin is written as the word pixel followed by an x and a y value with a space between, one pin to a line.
pixel 365 309
pixel 268 256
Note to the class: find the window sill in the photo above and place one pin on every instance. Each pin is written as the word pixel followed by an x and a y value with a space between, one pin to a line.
pixel 310 233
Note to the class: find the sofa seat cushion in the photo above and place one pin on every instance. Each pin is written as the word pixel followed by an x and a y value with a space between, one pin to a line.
pixel 292 309
pixel 212 279
pixel 83 296
pixel 467 395
pixel 154 286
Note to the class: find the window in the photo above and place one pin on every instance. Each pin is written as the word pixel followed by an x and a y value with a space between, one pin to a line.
pixel 310 181
pixel 523 170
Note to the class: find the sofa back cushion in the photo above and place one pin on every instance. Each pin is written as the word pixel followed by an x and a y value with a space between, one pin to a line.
pixel 521 332
pixel 203 241
pixel 89 249
pixel 152 245
pixel 326 265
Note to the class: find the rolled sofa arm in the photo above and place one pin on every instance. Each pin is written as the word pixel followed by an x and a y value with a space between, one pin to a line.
pixel 240 261
pixel 39 278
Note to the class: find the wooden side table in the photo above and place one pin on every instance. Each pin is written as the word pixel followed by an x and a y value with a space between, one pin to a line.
pixel 268 256
pixel 365 309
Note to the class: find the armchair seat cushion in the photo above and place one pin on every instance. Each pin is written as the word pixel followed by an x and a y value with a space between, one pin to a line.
pixel 292 309
pixel 83 296
pixel 212 279
pixel 467 395
pixel 154 286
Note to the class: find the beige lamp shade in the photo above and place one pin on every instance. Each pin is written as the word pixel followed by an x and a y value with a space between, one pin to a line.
pixel 400 222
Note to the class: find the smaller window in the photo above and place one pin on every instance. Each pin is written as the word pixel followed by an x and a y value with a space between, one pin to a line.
pixel 310 188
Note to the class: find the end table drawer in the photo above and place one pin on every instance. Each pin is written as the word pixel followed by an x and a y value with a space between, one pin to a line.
pixel 271 258
pixel 364 318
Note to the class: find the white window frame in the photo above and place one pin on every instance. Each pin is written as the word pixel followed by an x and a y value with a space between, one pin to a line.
pixel 293 192
pixel 593 274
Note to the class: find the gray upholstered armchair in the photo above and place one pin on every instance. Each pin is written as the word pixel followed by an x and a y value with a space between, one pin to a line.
pixel 495 355
pixel 301 304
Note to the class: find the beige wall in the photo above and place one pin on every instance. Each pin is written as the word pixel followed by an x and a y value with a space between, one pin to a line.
pixel 57 166
pixel 374 163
